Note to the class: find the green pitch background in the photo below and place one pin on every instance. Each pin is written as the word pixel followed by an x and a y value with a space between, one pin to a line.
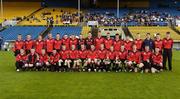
pixel 52 85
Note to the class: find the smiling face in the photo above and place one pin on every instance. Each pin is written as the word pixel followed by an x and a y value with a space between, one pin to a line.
pixel 50 36
pixel 19 37
pixel 57 36
pixel 28 37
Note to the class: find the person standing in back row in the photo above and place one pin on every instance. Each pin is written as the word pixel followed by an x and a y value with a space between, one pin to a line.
pixel 167 52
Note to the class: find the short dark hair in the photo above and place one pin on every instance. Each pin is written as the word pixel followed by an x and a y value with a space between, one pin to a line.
pixel 158 34
pixel 168 33
pixel 148 34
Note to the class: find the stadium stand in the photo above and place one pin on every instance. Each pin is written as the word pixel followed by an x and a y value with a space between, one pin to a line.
pixel 85 31
pixel 58 16
pixel 23 8
pixel 12 32
pixel 153 30
pixel 66 31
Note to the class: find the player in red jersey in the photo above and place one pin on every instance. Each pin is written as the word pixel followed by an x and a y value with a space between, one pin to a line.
pixel 32 59
pixel 73 41
pixel 117 43
pixel 121 57
pixel 18 45
pixel 158 42
pixel 92 59
pixel 43 63
pixel 157 60
pixel 21 60
pixel 28 44
pixel 167 52
pixel 138 42
pixel 54 58
pixel 64 61
pixel 108 42
pixel 49 44
pixel 128 44
pixel 98 41
pixel 146 59
pixel 81 41
pixel 65 41
pixel 57 43
pixel 134 59
pixel 110 59
pixel 89 41
pixel 83 56
pixel 74 56
pixel 39 44
pixel 100 66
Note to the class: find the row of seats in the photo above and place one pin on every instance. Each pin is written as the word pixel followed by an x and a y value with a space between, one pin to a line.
pixel 12 32
pixel 153 30
pixel 66 31
pixel 39 19
pixel 23 9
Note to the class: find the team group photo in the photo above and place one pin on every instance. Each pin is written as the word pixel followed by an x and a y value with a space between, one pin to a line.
pixel 89 49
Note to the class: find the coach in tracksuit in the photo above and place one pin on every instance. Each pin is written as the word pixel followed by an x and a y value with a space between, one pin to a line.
pixel 167 52
pixel 148 42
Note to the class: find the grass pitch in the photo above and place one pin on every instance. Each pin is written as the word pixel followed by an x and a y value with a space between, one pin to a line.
pixel 52 85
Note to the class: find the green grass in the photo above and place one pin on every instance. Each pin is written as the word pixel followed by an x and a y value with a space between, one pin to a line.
pixel 49 85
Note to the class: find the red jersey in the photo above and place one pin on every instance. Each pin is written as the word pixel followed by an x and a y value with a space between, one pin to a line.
pixel 122 55
pixel 81 42
pixel 146 55
pixel 117 45
pixel 98 42
pixel 134 56
pixel 39 45
pixel 20 57
pixel 66 43
pixel 18 45
pixel 64 54
pixel 102 54
pixel 57 44
pixel 29 44
pixel 108 43
pixel 32 58
pixel 83 54
pixel 44 58
pixel 138 43
pixel 54 58
pixel 92 54
pixel 111 55
pixel 128 45
pixel 73 54
pixel 89 41
pixel 73 42
pixel 159 44
pixel 167 43
pixel 157 58
pixel 49 44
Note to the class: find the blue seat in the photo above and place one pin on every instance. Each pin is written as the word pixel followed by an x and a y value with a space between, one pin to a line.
pixel 12 32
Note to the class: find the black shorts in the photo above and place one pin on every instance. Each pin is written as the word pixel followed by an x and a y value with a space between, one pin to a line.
pixel 28 51
pixel 147 65
pixel 156 67
pixel 16 52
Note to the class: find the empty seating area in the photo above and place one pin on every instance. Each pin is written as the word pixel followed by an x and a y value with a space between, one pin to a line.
pixel 23 9
pixel 85 31
pixel 57 15
pixel 162 30
pixel 66 31
pixel 12 32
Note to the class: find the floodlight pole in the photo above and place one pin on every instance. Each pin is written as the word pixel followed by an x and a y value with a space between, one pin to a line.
pixel 118 8
pixel 2 9
pixel 79 8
